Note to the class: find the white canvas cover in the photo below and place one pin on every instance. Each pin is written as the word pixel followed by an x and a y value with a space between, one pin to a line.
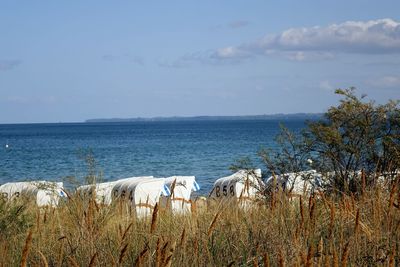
pixel 180 194
pixel 45 193
pixel 143 193
pixel 242 185
pixel 103 191
pixel 304 182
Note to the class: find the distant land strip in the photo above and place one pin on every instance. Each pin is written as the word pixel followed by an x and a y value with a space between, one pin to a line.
pixel 295 116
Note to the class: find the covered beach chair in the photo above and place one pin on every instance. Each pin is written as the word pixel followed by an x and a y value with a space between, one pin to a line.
pixel 43 192
pixel 142 193
pixel 181 188
pixel 297 184
pixel 242 187
pixel 102 192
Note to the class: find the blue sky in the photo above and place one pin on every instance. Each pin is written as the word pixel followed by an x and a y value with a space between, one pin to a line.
pixel 74 60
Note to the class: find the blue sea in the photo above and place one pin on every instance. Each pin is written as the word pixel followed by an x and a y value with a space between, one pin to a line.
pixel 205 149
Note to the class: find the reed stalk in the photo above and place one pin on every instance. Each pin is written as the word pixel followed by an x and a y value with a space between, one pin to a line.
pixel 154 219
pixel 25 251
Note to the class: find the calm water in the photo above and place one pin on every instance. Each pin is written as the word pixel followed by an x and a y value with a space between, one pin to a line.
pixel 205 149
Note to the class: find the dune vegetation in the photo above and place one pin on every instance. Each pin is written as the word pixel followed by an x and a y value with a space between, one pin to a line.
pixel 281 231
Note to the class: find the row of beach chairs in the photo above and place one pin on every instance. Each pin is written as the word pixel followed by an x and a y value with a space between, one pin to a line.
pixel 175 192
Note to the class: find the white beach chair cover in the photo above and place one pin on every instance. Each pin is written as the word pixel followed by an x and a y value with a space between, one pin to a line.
pixel 180 197
pixel 45 193
pixel 103 192
pixel 143 193
pixel 301 183
pixel 242 186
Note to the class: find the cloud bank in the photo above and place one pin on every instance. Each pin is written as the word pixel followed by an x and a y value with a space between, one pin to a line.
pixel 388 81
pixel 8 64
pixel 124 57
pixel 362 37
pixel 238 24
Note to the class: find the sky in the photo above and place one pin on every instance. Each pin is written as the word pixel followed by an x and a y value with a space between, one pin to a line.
pixel 68 61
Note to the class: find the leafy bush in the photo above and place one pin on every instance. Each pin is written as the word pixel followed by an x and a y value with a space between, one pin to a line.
pixel 354 145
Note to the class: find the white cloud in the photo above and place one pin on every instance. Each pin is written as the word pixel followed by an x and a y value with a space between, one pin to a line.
pixel 238 24
pixel 46 100
pixel 364 37
pixel 386 82
pixel 109 57
pixel 8 64
pixel 220 57
pixel 177 64
pixel 124 58
pixel 326 86
pixel 303 55
pixel 17 100
pixel 230 52
pixel 137 60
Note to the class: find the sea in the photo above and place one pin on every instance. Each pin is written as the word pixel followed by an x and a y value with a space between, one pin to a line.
pixel 71 151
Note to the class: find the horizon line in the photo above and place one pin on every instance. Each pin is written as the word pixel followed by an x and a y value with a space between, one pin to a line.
pixel 174 117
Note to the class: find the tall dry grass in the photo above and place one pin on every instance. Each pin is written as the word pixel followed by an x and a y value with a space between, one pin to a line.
pixel 283 231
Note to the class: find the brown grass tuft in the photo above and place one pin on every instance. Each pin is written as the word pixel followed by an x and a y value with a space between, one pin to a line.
pixel 301 210
pixel 345 254
pixel 310 255
pixel 93 260
pixel 266 260
pixel 281 260
pixel 357 223
pixel 25 251
pixel 183 238
pixel 43 258
pixel 392 256
pixel 154 219
pixel 213 224
pixel 335 259
pixel 126 232
pixel 158 253
pixel 72 261
pixel 331 219
pixel 141 257
pixel 311 206
pixel 164 253
pixel 122 254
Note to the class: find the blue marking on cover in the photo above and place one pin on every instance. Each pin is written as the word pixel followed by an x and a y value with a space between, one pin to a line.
pixel 196 186
pixel 165 191
pixel 62 193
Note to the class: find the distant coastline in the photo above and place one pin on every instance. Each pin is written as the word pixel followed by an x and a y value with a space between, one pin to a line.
pixel 295 116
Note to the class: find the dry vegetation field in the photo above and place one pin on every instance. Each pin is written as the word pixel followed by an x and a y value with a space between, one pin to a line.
pixel 280 231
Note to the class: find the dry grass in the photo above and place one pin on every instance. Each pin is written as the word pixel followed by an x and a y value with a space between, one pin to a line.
pixel 315 231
